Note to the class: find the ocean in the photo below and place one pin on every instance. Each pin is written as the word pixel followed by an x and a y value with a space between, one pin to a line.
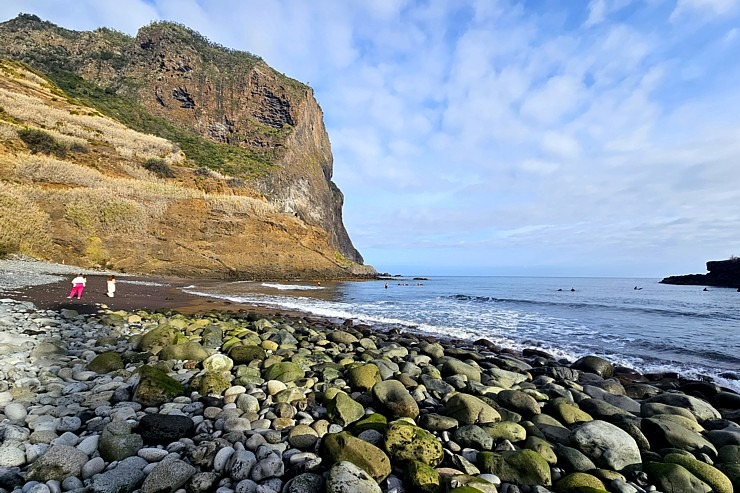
pixel 654 328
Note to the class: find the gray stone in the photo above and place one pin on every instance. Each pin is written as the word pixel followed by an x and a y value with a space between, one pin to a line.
pixel 121 479
pixel 117 442
pixel 698 407
pixel 168 475
pixel 269 467
pixel 473 436
pixel 59 462
pixel 345 477
pixel 240 464
pixel 607 445
pixel 393 395
pixel 305 483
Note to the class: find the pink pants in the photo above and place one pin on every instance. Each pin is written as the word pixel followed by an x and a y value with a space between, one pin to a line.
pixel 77 289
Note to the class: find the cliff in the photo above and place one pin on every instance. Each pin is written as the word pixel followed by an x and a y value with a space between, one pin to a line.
pixel 722 273
pixel 245 144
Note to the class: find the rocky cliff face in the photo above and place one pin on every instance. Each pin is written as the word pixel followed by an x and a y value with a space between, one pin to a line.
pixel 237 184
pixel 225 97
pixel 722 273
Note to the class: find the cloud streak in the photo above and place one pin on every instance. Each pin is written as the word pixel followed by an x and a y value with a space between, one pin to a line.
pixel 497 135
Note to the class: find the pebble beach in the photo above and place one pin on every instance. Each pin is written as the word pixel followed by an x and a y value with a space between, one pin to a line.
pixel 159 391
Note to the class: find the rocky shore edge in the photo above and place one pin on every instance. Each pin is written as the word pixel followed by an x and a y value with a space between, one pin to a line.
pixel 123 401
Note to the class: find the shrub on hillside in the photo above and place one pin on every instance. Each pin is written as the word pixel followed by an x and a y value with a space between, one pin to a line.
pixel 42 142
pixel 24 225
pixel 159 167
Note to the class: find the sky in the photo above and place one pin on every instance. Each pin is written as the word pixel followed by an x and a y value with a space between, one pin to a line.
pixel 503 137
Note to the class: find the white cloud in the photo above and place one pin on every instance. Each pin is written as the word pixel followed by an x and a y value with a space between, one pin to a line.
pixel 497 129
pixel 702 9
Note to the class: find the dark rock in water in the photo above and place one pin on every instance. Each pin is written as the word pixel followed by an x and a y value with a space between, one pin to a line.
pixel 164 429
pixel 722 273
pixel 726 400
pixel 594 364
pixel 704 390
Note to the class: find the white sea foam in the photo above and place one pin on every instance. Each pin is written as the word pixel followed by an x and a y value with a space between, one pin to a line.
pixel 291 287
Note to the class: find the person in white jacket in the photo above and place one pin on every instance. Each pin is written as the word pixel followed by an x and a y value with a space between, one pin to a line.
pixel 78 286
pixel 111 286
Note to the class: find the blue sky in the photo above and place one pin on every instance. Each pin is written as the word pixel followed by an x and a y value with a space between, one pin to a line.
pixel 503 137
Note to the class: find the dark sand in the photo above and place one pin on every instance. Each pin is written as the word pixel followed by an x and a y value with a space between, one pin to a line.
pixel 152 294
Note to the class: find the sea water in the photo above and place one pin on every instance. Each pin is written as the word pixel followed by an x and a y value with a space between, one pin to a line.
pixel 639 323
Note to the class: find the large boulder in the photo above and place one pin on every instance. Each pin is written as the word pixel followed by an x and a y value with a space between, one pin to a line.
pixel 469 410
pixel 698 407
pixel 607 445
pixel 519 402
pixel 337 447
pixel 673 478
pixel 577 480
pixel 453 366
pixel 243 354
pixel 58 463
pixel 155 387
pixel 715 478
pixel 393 395
pixel 210 383
pixel 404 442
pixel 344 410
pixel 165 428
pixel 158 338
pixel 422 477
pixel 285 371
pixel 346 477
pixel 192 351
pixel 118 442
pixel 594 364
pixel 666 433
pixel 364 377
pixel 106 362
pixel 522 467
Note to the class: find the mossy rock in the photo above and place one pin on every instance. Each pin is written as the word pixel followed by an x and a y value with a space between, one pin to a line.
pixel 344 410
pixel 574 481
pixel 568 412
pixel 422 477
pixel 106 362
pixel 247 375
pixel 404 442
pixel 155 387
pixel 506 430
pixel 364 377
pixel 337 447
pixel 542 447
pixel 374 421
pixel 674 478
pixel 523 467
pixel 244 354
pixel 210 383
pixel 191 350
pixel 470 410
pixel 732 471
pixel 715 478
pixel 285 371
pixel 161 336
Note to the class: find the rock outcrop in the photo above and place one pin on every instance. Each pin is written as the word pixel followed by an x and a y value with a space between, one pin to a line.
pixel 722 273
pixel 234 126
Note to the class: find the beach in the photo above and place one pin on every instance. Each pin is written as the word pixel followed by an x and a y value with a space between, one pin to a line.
pixel 159 390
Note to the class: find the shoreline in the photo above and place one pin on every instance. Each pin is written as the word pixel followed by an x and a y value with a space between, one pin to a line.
pixel 237 399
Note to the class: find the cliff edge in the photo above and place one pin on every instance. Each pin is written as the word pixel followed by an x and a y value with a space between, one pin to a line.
pixel 237 152
pixel 722 273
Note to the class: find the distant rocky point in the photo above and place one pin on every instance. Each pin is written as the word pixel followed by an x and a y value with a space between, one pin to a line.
pixel 722 273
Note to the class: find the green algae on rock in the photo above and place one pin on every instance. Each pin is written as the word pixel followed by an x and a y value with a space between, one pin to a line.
pixel 155 387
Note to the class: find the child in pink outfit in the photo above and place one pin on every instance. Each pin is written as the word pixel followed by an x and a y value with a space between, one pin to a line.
pixel 78 286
